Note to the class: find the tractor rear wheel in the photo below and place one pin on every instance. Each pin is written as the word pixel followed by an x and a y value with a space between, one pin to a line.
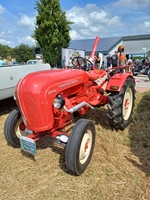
pixel 14 128
pixel 120 108
pixel 80 146
pixel 148 73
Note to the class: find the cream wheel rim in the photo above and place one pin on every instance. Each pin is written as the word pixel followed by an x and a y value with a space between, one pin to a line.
pixel 127 103
pixel 85 148
pixel 20 128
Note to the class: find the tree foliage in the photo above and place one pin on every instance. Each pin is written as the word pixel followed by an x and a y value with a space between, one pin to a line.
pixel 5 51
pixel 52 29
pixel 23 53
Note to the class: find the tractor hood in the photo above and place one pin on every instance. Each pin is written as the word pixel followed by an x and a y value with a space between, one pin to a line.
pixel 36 91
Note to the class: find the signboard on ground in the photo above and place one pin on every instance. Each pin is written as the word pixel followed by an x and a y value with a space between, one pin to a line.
pixel 28 145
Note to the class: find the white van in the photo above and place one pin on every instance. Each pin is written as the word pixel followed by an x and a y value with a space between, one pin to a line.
pixel 31 62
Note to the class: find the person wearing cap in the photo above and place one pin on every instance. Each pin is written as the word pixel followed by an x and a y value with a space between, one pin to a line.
pixel 122 57
pixel 1 62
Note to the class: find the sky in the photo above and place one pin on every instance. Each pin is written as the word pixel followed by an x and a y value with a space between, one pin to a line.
pixel 103 18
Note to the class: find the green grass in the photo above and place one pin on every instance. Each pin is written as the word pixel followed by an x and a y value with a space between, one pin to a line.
pixel 140 128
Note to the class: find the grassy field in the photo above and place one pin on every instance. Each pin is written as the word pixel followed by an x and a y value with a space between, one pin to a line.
pixel 119 169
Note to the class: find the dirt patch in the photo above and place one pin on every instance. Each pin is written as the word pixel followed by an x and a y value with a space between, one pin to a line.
pixel 142 90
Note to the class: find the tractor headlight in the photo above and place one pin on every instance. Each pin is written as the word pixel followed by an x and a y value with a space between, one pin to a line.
pixel 58 102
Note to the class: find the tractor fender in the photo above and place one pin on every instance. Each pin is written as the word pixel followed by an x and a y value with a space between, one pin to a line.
pixel 117 81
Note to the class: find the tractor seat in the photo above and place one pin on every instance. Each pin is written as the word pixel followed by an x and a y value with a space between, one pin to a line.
pixel 95 74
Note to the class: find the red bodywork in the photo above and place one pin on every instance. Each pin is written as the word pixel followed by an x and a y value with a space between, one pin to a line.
pixel 78 90
pixel 36 92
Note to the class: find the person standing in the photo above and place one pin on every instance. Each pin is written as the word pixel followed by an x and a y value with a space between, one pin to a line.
pixel 64 62
pixel 114 59
pixel 109 61
pixel 1 62
pixel 97 61
pixel 122 57
pixel 9 61
pixel 130 63
pixel 70 63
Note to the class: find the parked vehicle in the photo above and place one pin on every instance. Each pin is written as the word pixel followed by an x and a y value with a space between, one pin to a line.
pixel 139 69
pixel 10 75
pixel 18 63
pixel 31 62
pixel 148 73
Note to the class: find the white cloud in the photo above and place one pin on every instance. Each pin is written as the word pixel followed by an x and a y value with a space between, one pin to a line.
pixel 74 34
pixel 90 21
pixel 9 32
pixel 147 25
pixel 133 3
pixel 120 17
pixel 2 9
pixel 26 40
pixel 5 34
pixel 6 42
pixel 2 34
pixel 111 20
pixel 27 21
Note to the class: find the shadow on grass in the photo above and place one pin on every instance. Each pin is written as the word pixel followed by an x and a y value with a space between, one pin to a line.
pixel 98 116
pixel 48 142
pixel 7 105
pixel 139 133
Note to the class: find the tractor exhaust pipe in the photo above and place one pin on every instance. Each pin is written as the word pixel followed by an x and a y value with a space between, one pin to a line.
pixel 94 47
pixel 77 107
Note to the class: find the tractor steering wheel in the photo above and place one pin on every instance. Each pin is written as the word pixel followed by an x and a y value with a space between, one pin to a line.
pixel 82 63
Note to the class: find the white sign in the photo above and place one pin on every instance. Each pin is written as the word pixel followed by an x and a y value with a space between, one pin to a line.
pixel 143 50
pixel 68 54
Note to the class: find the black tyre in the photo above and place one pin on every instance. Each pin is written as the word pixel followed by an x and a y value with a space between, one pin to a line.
pixel 120 108
pixel 134 74
pixel 148 73
pixel 14 128
pixel 80 146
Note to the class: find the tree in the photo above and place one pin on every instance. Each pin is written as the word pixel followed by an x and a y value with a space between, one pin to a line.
pixel 52 29
pixel 5 51
pixel 22 53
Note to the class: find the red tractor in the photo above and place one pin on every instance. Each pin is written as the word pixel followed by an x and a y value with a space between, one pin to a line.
pixel 47 101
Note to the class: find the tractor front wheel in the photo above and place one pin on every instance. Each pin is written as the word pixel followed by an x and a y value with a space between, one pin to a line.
pixel 14 128
pixel 120 108
pixel 80 146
